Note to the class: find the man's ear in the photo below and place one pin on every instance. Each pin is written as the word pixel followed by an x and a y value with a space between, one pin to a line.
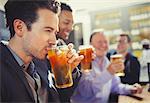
pixel 19 27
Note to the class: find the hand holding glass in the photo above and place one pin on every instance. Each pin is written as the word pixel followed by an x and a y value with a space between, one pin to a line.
pixel 115 58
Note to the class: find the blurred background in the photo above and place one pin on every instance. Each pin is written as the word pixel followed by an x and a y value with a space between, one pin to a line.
pixel 113 16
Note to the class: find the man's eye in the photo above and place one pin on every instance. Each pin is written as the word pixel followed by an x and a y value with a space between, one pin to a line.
pixel 48 30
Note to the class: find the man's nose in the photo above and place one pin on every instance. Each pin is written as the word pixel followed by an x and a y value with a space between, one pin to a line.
pixel 52 40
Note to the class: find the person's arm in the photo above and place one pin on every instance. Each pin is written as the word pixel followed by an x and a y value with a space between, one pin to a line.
pixel 90 84
pixel 119 88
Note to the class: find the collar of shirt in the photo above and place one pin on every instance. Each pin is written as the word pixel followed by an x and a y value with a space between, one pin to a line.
pixel 99 67
pixel 19 60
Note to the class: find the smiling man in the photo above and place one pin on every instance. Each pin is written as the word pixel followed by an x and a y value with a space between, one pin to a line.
pixel 65 23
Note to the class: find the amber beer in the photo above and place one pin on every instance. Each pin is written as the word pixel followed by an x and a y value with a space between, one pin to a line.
pixel 86 51
pixel 115 58
pixel 60 68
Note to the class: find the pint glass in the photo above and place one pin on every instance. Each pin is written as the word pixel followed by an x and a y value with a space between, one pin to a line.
pixel 86 51
pixel 115 58
pixel 60 68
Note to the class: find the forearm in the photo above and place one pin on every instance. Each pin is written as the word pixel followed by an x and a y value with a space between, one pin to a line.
pixel 92 84
pixel 119 88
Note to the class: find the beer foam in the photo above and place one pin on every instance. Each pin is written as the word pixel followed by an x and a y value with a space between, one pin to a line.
pixel 116 56
pixel 85 47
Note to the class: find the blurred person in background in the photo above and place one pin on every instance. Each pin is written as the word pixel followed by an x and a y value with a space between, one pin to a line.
pixel 132 65
pixel 96 86
pixel 144 60
pixel 33 26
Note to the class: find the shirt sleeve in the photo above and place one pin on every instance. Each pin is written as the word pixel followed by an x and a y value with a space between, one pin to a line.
pixel 90 84
pixel 119 88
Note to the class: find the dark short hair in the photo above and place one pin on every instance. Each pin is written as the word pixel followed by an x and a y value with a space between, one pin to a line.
pixel 65 6
pixel 26 10
pixel 126 35
pixel 94 33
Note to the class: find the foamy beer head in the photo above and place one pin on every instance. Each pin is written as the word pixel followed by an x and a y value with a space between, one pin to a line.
pixel 61 69
pixel 116 58
pixel 86 51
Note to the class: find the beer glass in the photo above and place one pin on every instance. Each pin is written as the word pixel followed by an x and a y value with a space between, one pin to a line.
pixel 115 58
pixel 86 51
pixel 61 69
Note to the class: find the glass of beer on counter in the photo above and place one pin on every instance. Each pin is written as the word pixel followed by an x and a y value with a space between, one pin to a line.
pixel 61 69
pixel 86 51
pixel 115 58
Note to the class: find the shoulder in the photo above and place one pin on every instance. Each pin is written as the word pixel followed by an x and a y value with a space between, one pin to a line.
pixel 134 60
pixel 132 57
pixel 2 47
pixel 4 51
